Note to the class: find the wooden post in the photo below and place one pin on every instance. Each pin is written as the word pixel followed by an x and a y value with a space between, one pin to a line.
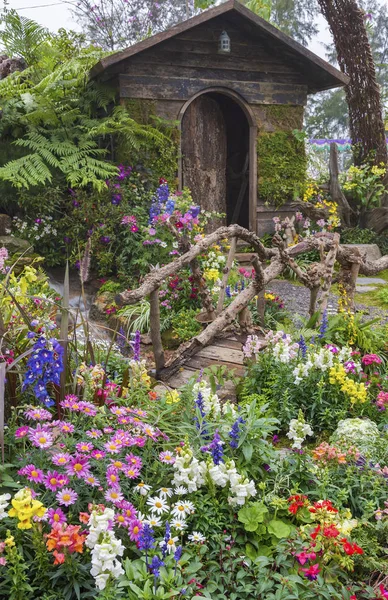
pixel 328 274
pixel 261 307
pixel 156 338
pixel 228 266
pixel 336 193
pixel 313 300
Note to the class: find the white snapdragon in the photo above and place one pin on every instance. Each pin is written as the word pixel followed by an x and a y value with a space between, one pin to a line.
pixel 323 360
pixel 241 488
pixel 105 548
pixel 189 471
pixel 3 505
pixel 211 402
pixel 302 370
pixel 252 346
pixel 299 430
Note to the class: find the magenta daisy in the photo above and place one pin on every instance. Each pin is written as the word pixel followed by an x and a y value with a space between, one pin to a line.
pixel 78 466
pixel 98 454
pixel 135 528
pixel 71 402
pixel 108 430
pixel 60 459
pixel 55 480
pixel 112 476
pixel 21 432
pixel 113 495
pixel 32 473
pixel 41 438
pixel 113 447
pixel 55 516
pixel 134 461
pixel 167 457
pixel 88 408
pixel 128 509
pixel 84 447
pixel 117 464
pixel 91 480
pixel 122 520
pixel 67 496
pixel 38 414
pixel 119 411
pixel 124 420
pixel 94 433
pixel 131 472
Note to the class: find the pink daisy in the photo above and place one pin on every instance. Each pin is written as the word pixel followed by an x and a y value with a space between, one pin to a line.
pixel 84 447
pixel 131 472
pixel 124 420
pixel 32 473
pixel 41 438
pixel 135 528
pixel 88 408
pixel 56 516
pixel 128 509
pixel 67 496
pixel 55 480
pixel 117 464
pixel 108 430
pixel 122 520
pixel 119 411
pixel 78 466
pixel 60 459
pixel 71 402
pixel 113 447
pixel 91 480
pixel 113 495
pixel 98 454
pixel 38 414
pixel 64 426
pixel 167 457
pixel 112 476
pixel 21 432
pixel 94 433
pixel 134 460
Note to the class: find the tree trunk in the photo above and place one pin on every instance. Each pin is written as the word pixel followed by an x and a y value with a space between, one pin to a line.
pixel 156 338
pixel 204 152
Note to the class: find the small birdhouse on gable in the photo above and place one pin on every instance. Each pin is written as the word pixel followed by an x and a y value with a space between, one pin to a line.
pixel 230 79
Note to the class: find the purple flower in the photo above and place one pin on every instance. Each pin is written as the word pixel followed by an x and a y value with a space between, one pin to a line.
pixel 67 239
pixel 136 347
pixel 215 448
pixel 105 239
pixel 234 433
pixel 116 199
pixel 56 516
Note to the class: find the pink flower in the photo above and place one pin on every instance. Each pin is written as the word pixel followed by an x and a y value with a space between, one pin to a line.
pixel 94 433
pixel 131 472
pixel 371 359
pixel 67 496
pixel 38 414
pixel 113 447
pixel 113 495
pixel 98 454
pixel 65 426
pixel 78 466
pixel 41 438
pixel 128 509
pixel 61 458
pixel 84 447
pixel 135 528
pixel 3 561
pixel 21 432
pixel 91 480
pixel 55 480
pixel 122 520
pixel 112 477
pixel 88 408
pixel 167 457
pixel 134 460
pixel 56 516
pixel 32 473
pixel 312 572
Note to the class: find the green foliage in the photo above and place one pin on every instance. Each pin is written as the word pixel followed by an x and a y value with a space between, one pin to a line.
pixel 22 37
pixel 382 295
pixel 357 235
pixel 281 167
pixel 185 325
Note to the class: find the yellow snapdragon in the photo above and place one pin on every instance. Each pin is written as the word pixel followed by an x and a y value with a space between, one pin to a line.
pixel 356 392
pixel 24 508
pixel 172 397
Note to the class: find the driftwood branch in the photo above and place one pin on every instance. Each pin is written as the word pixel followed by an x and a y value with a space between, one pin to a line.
pixel 225 277
pixel 335 190
pixel 329 264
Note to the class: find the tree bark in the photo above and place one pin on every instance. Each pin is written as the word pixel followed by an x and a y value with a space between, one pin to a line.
pixel 228 266
pixel 328 274
pixel 336 193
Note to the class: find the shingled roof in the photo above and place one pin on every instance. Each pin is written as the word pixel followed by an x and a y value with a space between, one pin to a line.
pixel 319 73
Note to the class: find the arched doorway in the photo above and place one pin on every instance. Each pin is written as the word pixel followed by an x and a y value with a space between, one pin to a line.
pixel 218 155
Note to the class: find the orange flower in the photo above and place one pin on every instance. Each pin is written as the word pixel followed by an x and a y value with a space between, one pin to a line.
pixel 59 557
pixel 84 517
pixel 152 395
pixel 64 537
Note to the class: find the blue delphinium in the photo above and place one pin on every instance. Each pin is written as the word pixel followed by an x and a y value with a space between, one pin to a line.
pixel 146 540
pixel 302 346
pixel 215 448
pixel 154 567
pixel 44 367
pixel 177 557
pixel 234 433
pixel 170 205
pixel 324 325
pixel 228 292
pixel 163 193
pixel 136 346
pixel 167 536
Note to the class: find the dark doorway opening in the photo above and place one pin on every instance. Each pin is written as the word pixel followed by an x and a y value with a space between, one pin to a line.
pixel 215 156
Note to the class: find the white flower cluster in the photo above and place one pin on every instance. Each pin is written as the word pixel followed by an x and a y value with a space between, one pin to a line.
pixel 241 488
pixel 3 505
pixel 41 228
pixel 105 548
pixel 299 430
pixel 211 402
pixel 322 360
pixel 189 471
pixel 283 348
pixel 361 433
pixel 214 261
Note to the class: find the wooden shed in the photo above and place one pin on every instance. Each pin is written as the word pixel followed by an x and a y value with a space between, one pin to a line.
pixel 232 82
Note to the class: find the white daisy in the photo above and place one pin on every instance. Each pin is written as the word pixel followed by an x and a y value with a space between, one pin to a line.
pixel 179 510
pixel 165 492
pixel 189 507
pixel 170 545
pixel 158 504
pixel 180 490
pixel 153 521
pixel 196 537
pixel 140 517
pixel 142 488
pixel 178 524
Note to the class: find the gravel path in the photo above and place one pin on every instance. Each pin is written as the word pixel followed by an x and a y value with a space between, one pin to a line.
pixel 297 299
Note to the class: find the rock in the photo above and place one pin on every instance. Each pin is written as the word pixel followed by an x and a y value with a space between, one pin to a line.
pixel 372 251
pixel 5 224
pixel 363 289
pixel 15 245
pixel 370 281
pixel 146 339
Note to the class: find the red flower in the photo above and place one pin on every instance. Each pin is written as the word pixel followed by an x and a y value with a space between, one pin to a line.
pixel 298 501
pixel 331 531
pixel 312 572
pixel 323 505
pixel 314 534
pixel 350 548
